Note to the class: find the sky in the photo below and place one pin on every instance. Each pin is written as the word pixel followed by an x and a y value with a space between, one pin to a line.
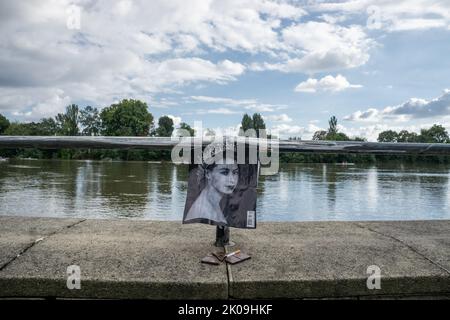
pixel 375 65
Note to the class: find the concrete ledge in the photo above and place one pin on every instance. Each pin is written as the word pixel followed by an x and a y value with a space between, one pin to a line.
pixel 118 259
pixel 160 260
pixel 330 259
pixel 18 234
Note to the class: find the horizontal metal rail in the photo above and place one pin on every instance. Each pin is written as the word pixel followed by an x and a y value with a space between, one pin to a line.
pixel 164 143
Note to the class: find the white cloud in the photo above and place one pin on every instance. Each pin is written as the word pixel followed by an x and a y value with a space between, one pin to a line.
pixel 306 133
pixel 279 118
pixel 287 130
pixel 40 102
pixel 321 46
pixel 327 83
pixel 184 70
pixel 123 7
pixel 225 111
pixel 393 16
pixel 225 101
pixel 370 132
pixel 417 24
pixel 370 115
pixel 150 44
pixel 162 103
pixel 143 48
pixel 176 120
pixel 333 18
pixel 129 48
pixel 248 104
pixel 414 108
pixel 264 107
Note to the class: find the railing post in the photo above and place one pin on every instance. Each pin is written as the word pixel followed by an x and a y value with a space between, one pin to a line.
pixel 223 237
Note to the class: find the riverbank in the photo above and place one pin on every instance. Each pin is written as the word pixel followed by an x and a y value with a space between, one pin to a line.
pixel 161 260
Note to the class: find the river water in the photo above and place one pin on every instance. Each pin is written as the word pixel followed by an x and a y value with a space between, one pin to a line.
pixel 157 191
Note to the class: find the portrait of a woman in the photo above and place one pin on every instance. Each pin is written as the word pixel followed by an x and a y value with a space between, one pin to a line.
pixel 220 180
pixel 222 194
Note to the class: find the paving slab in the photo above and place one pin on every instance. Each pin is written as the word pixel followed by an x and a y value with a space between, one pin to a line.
pixel 120 259
pixel 19 233
pixel 330 260
pixel 432 239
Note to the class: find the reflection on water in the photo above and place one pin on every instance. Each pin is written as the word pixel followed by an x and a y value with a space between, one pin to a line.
pixel 157 191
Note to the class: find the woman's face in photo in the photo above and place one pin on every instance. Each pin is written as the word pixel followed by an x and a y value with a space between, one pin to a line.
pixel 224 177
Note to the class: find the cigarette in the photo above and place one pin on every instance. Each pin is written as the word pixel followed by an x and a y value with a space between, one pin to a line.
pixel 232 253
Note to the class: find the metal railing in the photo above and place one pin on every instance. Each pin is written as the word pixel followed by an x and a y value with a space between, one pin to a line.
pixel 161 143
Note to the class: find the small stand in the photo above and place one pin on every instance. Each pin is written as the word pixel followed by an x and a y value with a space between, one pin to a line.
pixel 223 241
pixel 223 237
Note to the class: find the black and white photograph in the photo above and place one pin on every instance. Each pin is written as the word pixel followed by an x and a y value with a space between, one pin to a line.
pixel 222 194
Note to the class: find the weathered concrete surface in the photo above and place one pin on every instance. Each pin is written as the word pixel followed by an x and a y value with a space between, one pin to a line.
pixel 330 260
pixel 432 239
pixel 159 260
pixel 118 259
pixel 17 234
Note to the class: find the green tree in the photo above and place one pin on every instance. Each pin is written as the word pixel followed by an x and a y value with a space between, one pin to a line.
pixel 90 121
pixel 246 123
pixel 188 128
pixel 258 122
pixel 20 129
pixel 333 126
pixel 68 122
pixel 333 134
pixel 320 135
pixel 126 118
pixel 339 136
pixel 405 136
pixel 436 134
pixel 388 136
pixel 47 127
pixel 165 127
pixel 4 124
pixel 255 122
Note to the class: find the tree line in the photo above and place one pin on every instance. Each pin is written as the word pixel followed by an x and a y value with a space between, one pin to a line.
pixel 435 134
pixel 131 117
pixel 126 118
